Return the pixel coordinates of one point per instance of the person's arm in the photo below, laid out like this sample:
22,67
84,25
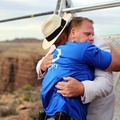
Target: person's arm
100,87
88,90
115,64
40,73
103,82
44,63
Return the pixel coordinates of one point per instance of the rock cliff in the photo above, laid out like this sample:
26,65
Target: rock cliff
18,65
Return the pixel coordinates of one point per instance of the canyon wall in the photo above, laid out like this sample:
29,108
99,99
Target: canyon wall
18,65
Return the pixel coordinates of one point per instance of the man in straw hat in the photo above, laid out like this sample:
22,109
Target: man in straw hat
88,56
53,27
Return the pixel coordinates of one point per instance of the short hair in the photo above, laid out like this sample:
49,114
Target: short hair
77,22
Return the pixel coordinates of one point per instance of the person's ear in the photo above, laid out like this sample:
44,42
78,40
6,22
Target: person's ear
72,32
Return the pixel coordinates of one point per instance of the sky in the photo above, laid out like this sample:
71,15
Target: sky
106,21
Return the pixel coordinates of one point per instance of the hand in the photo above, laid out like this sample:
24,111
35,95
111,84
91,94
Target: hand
70,88
47,62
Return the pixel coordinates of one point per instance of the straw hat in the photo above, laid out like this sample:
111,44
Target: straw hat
52,27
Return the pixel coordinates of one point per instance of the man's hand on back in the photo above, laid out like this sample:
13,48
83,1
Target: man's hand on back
70,88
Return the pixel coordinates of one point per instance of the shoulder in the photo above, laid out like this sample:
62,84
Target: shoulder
102,44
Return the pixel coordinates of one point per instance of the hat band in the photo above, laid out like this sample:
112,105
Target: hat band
56,32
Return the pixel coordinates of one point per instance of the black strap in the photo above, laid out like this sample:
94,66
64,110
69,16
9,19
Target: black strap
57,31
59,116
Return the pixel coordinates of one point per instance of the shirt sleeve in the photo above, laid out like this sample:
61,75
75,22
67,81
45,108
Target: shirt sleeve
40,74
38,70
103,82
97,58
100,87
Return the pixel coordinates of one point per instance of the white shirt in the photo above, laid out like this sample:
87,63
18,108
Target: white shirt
99,92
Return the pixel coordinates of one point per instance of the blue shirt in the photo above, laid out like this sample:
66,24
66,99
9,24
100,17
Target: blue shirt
76,60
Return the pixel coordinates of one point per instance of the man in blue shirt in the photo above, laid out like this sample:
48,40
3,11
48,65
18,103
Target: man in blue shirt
77,58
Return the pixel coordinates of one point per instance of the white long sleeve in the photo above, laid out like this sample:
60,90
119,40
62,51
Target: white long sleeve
38,70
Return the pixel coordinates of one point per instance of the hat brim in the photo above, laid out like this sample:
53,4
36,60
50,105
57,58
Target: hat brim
46,44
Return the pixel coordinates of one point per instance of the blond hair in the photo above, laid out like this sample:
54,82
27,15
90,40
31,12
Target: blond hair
77,22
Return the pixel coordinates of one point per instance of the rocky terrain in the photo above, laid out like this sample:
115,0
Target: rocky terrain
22,104
18,64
